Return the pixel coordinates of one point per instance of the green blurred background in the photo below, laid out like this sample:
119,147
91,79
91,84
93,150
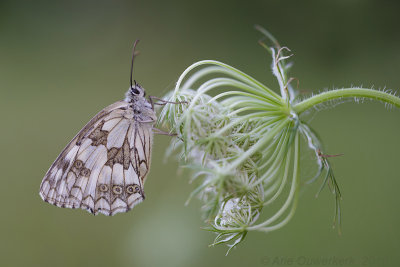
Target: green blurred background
63,61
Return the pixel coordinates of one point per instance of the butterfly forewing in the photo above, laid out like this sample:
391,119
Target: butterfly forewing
103,168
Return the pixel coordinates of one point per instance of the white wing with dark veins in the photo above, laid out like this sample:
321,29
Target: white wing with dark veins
103,169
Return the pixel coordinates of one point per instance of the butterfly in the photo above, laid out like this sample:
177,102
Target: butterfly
104,167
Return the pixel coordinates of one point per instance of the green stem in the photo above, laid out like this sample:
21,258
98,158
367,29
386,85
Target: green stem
274,131
345,93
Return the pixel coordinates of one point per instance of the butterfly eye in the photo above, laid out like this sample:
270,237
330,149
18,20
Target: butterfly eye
135,91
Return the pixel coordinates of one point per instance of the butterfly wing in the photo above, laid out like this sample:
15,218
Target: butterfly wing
102,170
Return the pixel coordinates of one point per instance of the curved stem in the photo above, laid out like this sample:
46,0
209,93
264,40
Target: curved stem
291,200
345,93
228,70
270,134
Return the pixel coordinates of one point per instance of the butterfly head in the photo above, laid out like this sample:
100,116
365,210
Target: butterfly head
135,91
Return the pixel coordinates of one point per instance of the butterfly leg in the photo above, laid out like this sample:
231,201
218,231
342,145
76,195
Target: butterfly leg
161,132
158,131
163,102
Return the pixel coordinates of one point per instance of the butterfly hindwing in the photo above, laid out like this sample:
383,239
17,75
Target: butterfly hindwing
103,168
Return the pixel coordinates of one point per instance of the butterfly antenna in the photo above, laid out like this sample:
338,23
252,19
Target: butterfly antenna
133,57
